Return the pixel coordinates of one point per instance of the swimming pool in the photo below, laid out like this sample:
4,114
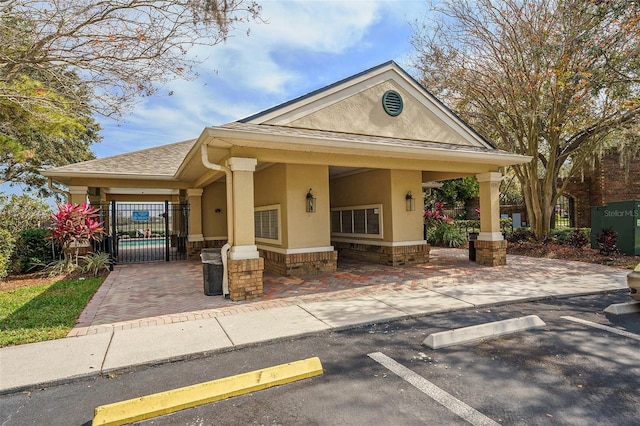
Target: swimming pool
141,242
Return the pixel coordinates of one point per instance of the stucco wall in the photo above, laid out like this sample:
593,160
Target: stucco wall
214,224
307,229
363,113
270,189
389,188
407,225
371,187
287,185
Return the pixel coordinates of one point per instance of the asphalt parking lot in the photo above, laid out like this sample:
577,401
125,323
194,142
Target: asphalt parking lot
567,372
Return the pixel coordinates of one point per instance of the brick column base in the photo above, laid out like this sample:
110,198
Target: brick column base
491,253
245,278
384,255
301,264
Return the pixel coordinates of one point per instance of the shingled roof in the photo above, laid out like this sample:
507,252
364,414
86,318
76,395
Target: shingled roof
160,161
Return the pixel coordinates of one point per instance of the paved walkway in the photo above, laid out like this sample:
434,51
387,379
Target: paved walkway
143,295
145,314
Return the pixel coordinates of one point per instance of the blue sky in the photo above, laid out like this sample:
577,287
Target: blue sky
305,45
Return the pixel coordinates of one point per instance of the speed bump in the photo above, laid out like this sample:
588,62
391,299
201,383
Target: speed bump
149,406
482,331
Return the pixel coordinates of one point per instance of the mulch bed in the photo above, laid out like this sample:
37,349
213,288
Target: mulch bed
15,281
585,254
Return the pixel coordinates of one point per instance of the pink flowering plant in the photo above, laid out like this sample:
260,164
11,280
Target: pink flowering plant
433,217
73,226
440,227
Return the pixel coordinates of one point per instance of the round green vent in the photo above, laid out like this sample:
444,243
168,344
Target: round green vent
392,103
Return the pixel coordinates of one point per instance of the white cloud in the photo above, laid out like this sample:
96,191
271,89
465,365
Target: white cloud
304,45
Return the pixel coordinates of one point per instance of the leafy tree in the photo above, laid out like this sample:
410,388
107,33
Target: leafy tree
43,121
21,212
121,49
61,61
553,79
41,137
457,190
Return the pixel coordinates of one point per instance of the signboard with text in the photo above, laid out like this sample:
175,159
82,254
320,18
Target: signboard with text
140,216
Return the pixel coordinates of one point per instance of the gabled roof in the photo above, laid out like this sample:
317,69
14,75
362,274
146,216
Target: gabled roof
290,113
260,115
159,162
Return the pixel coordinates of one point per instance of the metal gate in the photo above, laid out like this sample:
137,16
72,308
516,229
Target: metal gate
145,232
564,212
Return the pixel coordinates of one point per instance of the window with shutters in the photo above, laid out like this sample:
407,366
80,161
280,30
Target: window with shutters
267,224
357,221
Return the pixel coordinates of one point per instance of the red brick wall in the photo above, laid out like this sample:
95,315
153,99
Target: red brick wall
605,184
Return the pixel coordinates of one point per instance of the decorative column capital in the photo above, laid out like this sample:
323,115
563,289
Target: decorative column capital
239,164
489,177
78,190
194,192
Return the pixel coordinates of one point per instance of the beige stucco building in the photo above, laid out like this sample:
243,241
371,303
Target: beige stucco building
337,172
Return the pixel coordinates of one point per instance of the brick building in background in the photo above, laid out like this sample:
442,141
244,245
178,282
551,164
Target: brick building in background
605,184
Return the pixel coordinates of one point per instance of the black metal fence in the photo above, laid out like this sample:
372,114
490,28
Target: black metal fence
145,232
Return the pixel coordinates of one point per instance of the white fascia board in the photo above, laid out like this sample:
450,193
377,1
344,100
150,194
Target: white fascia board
109,176
306,143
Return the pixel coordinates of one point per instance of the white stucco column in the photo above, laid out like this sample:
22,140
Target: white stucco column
194,198
78,194
244,243
490,206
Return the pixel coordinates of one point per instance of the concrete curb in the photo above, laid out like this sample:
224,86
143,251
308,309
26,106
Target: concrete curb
162,403
623,308
481,331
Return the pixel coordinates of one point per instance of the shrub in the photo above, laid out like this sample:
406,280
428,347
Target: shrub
75,225
32,249
60,267
607,241
449,235
577,239
6,249
521,235
94,262
561,235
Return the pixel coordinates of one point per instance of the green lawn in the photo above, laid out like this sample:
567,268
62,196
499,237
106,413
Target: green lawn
46,312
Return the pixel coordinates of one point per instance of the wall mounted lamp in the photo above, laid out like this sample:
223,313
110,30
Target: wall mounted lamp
311,202
411,202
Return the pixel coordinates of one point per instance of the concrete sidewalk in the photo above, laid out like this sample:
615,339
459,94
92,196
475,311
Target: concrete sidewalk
116,349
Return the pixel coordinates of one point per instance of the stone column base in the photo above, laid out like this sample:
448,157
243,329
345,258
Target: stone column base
491,253
245,278
300,264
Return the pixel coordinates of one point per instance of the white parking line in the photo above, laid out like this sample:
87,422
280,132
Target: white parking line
603,327
448,401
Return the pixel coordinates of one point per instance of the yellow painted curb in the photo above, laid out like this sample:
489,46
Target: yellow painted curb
162,403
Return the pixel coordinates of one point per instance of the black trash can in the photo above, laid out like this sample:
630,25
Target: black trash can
212,270
473,236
